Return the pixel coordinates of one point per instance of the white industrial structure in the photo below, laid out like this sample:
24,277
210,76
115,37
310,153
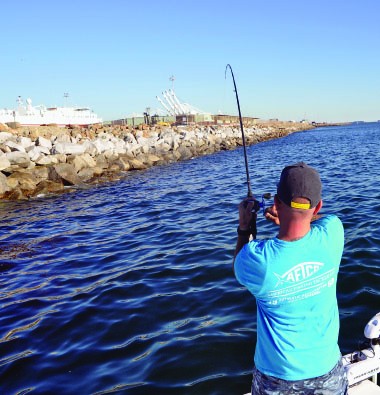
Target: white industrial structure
174,106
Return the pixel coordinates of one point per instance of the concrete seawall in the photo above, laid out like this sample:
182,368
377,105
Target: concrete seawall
36,161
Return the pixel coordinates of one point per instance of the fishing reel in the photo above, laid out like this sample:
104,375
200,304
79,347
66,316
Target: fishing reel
258,205
264,196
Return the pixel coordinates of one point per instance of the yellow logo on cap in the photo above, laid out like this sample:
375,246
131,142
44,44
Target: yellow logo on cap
302,206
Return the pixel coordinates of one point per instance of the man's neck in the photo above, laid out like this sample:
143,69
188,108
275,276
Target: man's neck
293,231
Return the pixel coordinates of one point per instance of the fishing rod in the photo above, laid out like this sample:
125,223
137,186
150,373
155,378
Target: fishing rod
249,193
257,204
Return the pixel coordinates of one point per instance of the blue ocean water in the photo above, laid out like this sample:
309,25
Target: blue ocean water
127,287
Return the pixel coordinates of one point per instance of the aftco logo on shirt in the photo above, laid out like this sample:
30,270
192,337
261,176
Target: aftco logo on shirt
299,272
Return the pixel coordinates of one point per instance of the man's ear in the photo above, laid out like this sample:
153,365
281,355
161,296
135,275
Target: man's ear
318,207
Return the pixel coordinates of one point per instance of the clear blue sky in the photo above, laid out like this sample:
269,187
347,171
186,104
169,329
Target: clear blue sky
292,59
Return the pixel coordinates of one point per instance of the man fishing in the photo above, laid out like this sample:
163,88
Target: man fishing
293,278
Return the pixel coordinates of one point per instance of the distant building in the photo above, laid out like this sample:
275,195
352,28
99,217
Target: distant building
185,119
180,113
222,119
141,119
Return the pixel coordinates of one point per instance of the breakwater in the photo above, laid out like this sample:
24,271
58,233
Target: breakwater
36,161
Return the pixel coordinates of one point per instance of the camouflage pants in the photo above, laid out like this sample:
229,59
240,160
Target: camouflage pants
332,383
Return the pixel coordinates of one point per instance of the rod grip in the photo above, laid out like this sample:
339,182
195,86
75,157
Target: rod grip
253,226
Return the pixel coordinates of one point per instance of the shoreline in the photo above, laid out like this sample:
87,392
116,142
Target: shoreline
45,160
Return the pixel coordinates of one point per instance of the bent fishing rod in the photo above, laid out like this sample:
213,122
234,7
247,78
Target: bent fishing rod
249,193
257,204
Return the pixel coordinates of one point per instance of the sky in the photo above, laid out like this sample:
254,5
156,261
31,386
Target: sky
292,59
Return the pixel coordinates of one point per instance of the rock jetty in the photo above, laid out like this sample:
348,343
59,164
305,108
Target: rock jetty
36,161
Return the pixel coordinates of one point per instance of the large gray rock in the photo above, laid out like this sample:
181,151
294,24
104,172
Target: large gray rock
41,173
14,146
83,161
4,162
64,172
20,159
12,183
101,161
123,163
43,142
62,137
25,180
185,153
145,149
89,147
98,171
35,154
105,136
142,140
26,142
5,136
15,194
41,149
4,187
119,146
130,138
46,160
151,159
68,149
103,145
46,186
110,155
136,164
61,158
86,174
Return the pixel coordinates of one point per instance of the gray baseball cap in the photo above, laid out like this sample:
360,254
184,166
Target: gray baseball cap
299,180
